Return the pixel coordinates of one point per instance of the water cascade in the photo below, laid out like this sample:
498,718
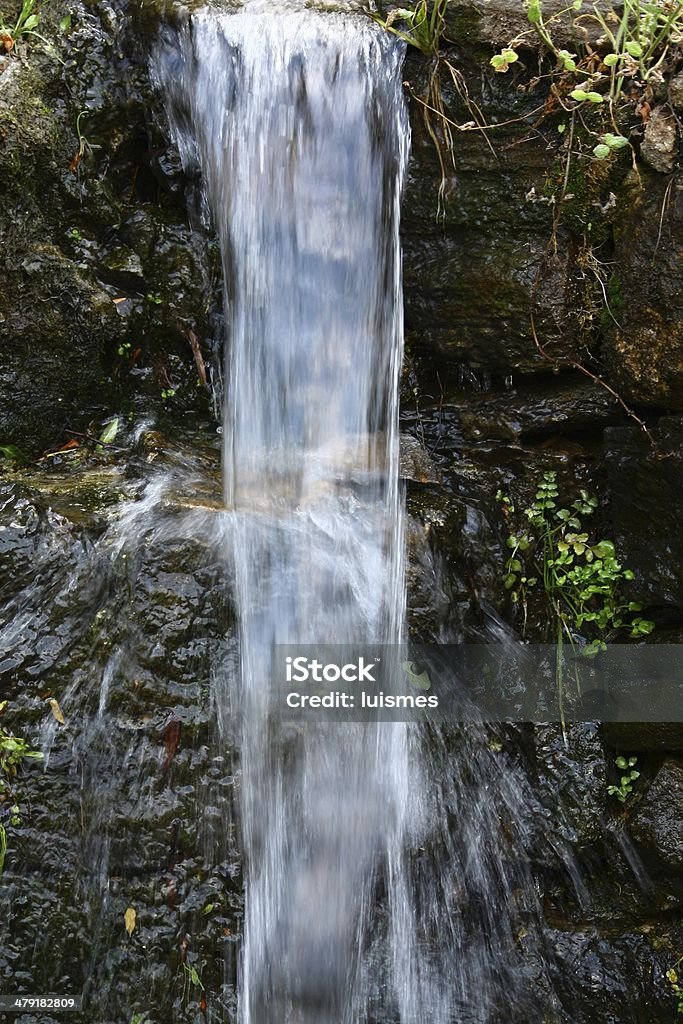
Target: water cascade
298,125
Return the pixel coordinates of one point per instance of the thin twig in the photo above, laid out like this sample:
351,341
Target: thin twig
665,206
96,440
574,364
471,126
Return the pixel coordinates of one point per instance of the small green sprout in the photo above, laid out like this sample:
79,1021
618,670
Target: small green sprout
625,787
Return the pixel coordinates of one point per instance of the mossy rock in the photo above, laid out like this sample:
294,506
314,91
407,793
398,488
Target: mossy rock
479,261
57,323
98,257
644,347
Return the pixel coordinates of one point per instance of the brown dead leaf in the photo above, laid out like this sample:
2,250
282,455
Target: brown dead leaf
57,712
130,920
643,110
170,734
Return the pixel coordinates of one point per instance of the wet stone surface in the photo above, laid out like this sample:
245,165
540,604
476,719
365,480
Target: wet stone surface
657,824
132,805
644,350
102,277
647,489
135,805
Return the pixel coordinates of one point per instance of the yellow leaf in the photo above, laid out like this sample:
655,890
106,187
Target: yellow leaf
129,919
57,712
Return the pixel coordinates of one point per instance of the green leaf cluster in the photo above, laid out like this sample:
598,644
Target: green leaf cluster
636,38
423,25
26,24
580,576
626,780
14,454
13,750
675,983
609,144
502,61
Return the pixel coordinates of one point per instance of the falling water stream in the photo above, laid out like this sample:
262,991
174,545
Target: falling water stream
298,125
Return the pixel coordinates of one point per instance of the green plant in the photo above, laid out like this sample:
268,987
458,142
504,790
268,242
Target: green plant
14,454
84,146
622,54
580,577
168,393
639,39
110,430
14,820
191,979
424,25
25,25
625,787
577,578
634,42
502,61
674,982
13,750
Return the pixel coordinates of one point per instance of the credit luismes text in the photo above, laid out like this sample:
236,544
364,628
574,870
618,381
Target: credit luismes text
305,670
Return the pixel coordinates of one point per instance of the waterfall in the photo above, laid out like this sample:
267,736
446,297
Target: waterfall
297,122
393,873
386,875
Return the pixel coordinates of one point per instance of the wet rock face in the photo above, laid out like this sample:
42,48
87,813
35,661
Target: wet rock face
657,825
132,807
56,318
646,494
649,736
609,980
477,261
645,351
538,409
102,280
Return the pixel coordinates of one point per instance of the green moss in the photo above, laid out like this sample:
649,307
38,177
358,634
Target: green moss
464,28
615,299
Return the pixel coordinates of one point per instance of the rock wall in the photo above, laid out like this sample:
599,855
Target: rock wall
519,275
103,280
